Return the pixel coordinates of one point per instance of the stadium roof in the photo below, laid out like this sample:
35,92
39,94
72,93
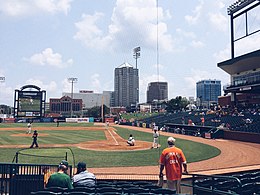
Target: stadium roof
246,62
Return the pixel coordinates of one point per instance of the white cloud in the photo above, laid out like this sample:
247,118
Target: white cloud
90,34
193,19
48,58
223,54
197,44
50,87
160,66
17,8
186,33
95,83
132,22
219,21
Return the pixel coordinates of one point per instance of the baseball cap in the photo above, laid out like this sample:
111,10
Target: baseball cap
64,162
171,140
81,165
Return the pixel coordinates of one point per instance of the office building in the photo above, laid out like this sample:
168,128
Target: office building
208,92
157,91
91,99
126,85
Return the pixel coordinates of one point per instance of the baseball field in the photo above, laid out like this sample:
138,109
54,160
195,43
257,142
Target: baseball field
96,144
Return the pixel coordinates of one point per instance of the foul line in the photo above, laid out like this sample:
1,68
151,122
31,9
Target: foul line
113,137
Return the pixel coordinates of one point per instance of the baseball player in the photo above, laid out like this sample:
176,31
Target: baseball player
29,130
34,136
155,139
131,140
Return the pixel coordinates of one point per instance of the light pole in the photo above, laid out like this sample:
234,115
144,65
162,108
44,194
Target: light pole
72,80
136,55
2,79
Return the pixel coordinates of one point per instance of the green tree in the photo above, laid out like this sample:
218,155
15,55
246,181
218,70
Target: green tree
177,104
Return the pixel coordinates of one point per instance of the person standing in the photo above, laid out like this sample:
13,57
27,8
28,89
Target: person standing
173,159
60,178
35,137
131,140
83,177
29,128
155,139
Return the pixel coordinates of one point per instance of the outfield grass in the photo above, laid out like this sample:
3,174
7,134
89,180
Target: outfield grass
192,150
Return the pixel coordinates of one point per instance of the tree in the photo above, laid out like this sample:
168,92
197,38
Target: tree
96,111
177,104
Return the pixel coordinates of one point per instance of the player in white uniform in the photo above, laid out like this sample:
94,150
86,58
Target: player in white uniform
131,140
29,130
155,139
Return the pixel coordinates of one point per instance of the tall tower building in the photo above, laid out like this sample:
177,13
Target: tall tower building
157,91
126,85
208,91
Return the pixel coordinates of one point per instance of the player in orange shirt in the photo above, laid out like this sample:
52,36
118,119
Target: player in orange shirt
173,159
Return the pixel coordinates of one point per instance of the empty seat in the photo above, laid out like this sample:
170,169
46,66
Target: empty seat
108,189
46,193
56,189
83,189
164,191
135,190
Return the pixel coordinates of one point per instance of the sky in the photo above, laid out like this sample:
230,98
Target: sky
45,42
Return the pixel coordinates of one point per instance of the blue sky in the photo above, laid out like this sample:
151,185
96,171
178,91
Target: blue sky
44,42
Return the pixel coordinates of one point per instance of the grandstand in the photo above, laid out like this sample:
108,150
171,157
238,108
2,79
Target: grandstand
225,174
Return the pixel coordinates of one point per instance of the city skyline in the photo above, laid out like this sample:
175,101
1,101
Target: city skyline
44,43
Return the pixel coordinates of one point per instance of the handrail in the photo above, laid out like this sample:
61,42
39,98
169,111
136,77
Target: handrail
214,178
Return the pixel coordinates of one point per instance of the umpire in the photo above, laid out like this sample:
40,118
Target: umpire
34,136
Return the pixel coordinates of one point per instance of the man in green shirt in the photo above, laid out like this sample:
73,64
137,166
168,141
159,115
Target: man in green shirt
60,178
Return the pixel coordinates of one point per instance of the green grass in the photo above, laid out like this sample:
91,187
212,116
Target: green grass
192,150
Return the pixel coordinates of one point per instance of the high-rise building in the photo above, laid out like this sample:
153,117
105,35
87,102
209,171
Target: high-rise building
157,91
208,91
126,85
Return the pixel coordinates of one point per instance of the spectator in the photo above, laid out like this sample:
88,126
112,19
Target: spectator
172,158
60,178
131,140
83,177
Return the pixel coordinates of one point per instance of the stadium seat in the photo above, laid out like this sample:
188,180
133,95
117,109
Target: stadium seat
150,186
56,189
76,193
141,183
83,189
164,191
108,189
135,190
46,193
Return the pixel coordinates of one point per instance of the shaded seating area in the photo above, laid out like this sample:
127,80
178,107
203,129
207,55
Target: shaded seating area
245,184
111,187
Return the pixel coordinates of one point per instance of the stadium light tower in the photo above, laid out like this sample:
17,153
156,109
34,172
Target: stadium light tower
2,79
136,55
72,80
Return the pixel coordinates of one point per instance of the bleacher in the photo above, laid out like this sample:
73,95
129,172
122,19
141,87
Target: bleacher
235,122
247,183
110,187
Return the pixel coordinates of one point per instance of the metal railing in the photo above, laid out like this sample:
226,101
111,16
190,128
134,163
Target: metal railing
24,178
